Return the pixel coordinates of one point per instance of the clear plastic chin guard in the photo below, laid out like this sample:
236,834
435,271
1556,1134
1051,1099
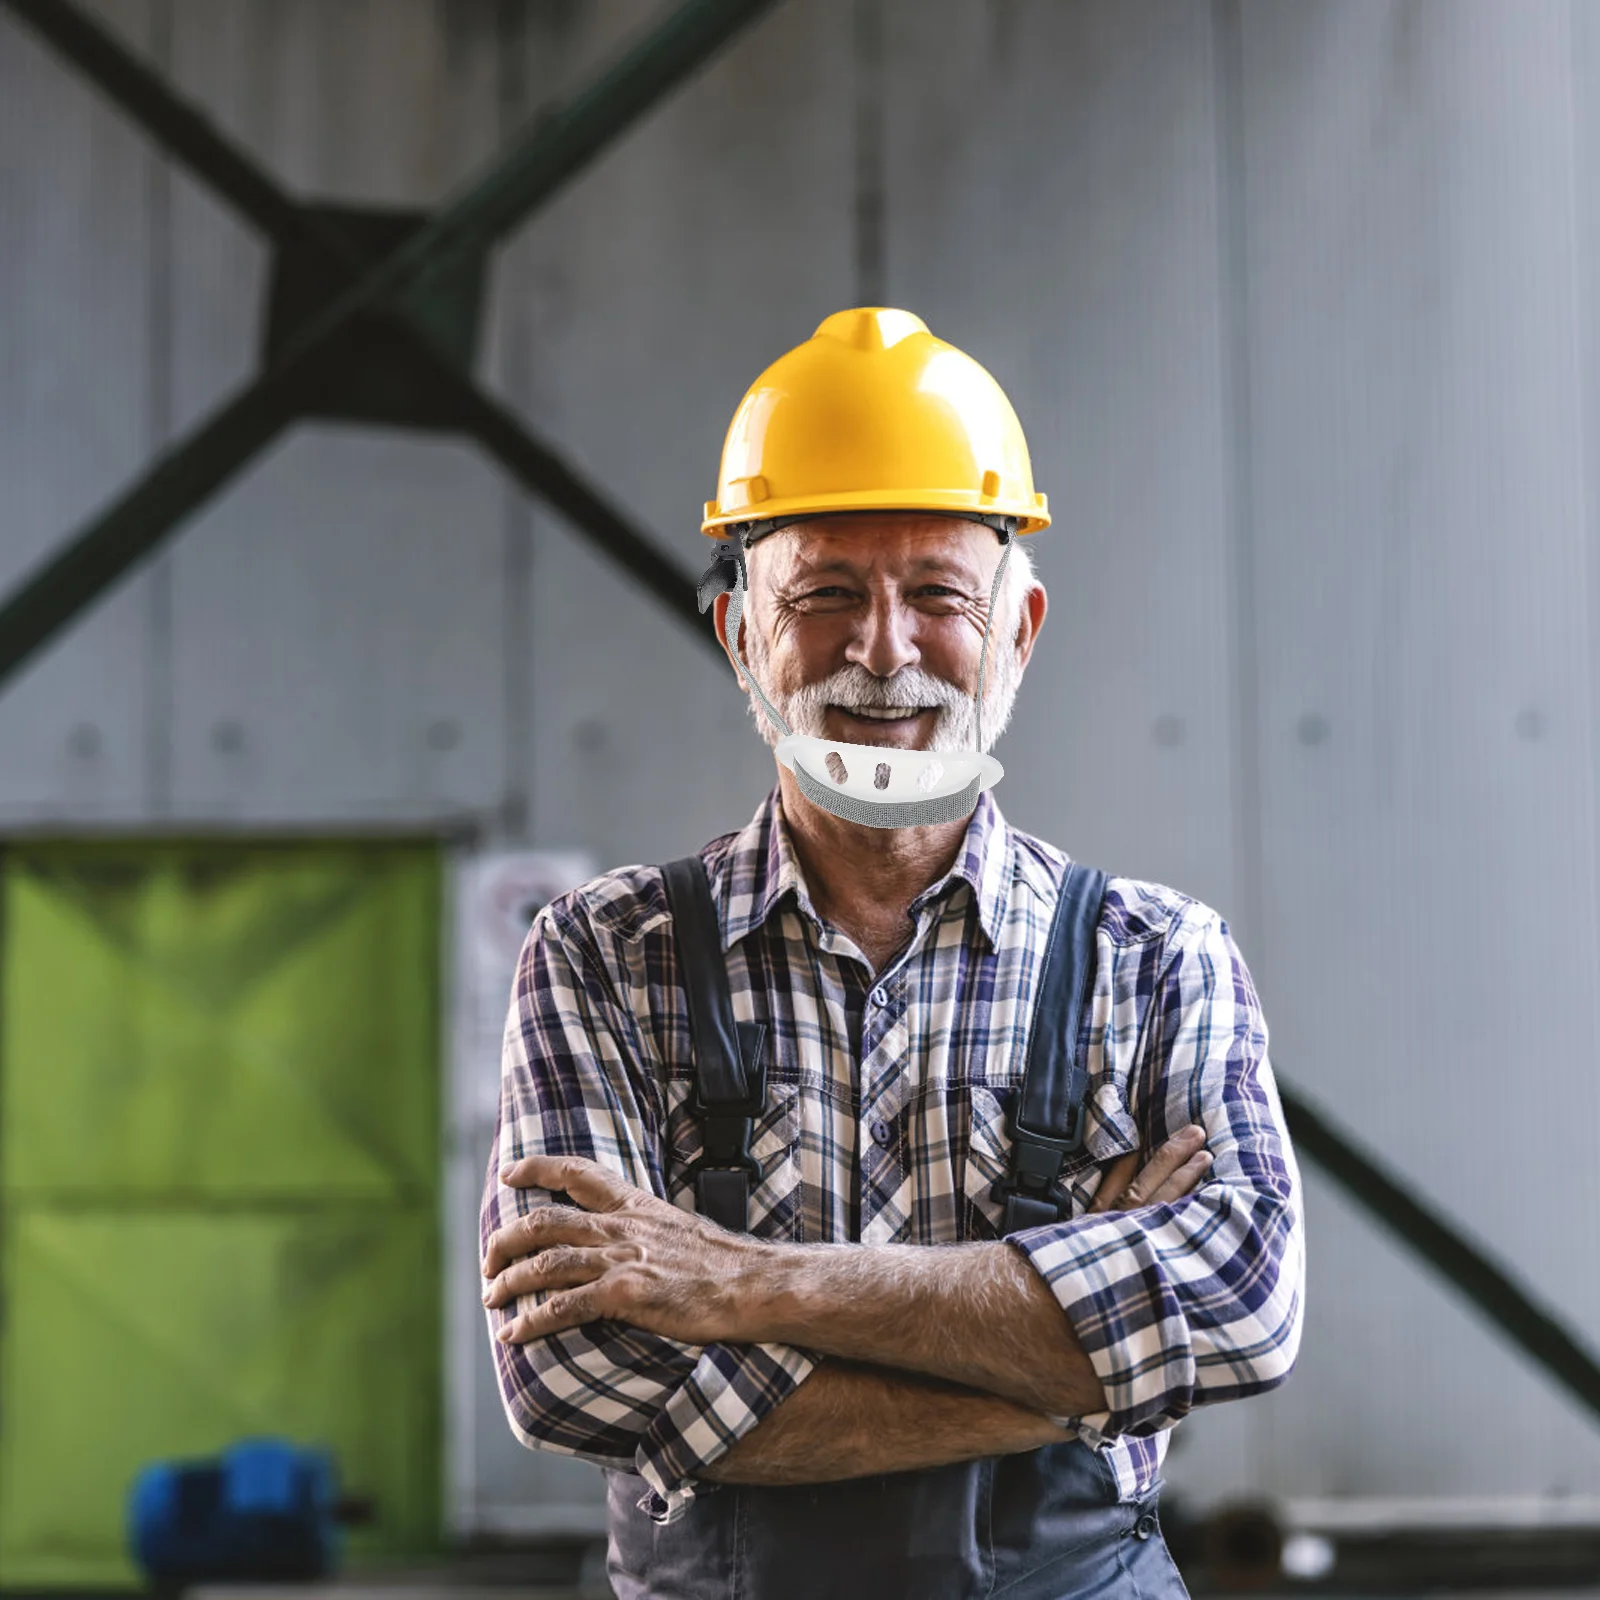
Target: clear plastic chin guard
876,785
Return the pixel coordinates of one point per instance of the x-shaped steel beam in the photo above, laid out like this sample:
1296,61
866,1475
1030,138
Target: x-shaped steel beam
534,168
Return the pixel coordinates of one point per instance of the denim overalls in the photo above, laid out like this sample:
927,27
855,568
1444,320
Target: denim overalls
1046,1524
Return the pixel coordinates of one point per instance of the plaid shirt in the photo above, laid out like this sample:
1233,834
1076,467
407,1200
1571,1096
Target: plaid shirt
885,1123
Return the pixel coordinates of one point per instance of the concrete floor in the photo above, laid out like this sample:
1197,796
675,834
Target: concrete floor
594,1587
588,1582
575,1570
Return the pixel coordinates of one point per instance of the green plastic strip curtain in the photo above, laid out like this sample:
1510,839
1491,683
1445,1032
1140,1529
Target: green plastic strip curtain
219,1170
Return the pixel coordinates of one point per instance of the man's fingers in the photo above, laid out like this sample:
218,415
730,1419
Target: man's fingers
1115,1181
1182,1181
587,1183
549,1225
562,1266
569,1309
1170,1173
1159,1169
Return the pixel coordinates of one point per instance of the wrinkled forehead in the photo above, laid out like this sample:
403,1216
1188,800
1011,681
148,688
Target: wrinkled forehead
878,545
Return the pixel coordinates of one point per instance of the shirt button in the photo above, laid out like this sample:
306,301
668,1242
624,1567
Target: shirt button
880,996
882,1133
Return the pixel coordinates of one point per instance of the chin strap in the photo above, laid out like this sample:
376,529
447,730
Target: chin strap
727,572
988,622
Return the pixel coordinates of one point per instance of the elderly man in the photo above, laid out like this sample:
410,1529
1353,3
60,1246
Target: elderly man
1008,1191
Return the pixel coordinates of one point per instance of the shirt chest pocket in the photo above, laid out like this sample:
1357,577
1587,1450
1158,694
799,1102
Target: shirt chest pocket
773,1211
1110,1133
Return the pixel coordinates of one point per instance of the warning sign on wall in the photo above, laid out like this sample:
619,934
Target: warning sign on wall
498,895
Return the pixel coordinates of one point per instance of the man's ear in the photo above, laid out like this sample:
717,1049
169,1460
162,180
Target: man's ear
719,618
1034,605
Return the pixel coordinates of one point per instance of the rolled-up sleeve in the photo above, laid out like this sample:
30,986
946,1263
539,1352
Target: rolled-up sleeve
573,1082
1201,1299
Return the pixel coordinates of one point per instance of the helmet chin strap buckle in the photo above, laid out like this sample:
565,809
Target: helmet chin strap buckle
877,786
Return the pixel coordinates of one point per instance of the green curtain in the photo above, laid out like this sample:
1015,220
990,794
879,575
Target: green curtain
219,1168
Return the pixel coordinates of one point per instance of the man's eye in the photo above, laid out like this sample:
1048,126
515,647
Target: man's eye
833,591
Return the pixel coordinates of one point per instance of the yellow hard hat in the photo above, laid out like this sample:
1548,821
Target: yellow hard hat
872,413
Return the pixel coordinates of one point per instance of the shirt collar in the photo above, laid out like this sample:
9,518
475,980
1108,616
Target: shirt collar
761,868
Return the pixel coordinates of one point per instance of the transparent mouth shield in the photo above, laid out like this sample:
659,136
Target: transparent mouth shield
876,785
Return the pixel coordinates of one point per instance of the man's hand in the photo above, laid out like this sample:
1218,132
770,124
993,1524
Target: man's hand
626,1254
1169,1174
620,1252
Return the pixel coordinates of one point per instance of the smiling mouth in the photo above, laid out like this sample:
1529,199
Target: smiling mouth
884,716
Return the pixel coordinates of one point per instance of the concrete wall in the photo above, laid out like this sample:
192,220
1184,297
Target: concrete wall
1297,303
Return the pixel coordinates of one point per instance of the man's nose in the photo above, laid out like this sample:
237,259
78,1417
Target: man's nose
885,641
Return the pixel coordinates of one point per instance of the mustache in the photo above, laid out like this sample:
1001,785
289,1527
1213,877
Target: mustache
855,686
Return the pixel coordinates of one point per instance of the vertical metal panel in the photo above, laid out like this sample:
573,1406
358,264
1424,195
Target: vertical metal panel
74,376
1051,199
1586,174
337,621
1420,585
655,290
496,1486
1052,207
339,639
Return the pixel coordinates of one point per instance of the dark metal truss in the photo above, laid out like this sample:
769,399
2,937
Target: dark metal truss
398,288
536,166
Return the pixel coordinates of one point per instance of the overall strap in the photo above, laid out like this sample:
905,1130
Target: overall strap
730,1084
1047,1120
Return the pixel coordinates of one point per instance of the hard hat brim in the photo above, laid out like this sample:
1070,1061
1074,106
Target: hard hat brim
1031,517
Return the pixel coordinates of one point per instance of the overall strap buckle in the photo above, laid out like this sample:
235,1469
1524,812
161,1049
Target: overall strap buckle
1048,1120
726,1171
1029,1191
730,1085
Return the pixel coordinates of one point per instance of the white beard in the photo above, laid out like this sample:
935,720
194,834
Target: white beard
956,728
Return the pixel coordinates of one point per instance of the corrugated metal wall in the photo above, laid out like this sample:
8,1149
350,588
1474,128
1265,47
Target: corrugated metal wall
1297,302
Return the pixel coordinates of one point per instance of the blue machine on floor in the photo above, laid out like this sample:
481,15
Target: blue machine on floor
265,1511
